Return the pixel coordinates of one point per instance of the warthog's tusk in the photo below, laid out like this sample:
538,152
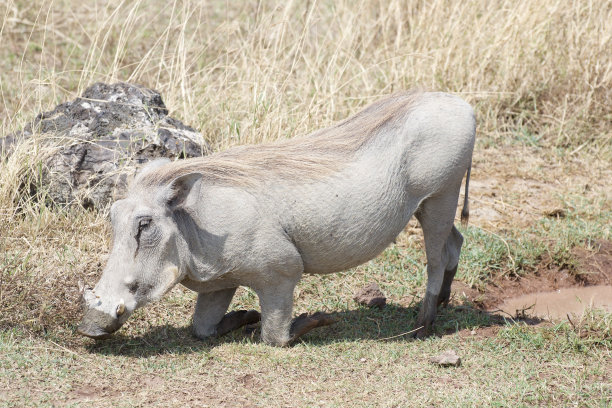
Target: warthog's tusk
120,308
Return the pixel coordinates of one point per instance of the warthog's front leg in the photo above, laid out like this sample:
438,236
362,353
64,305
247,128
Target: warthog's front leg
277,328
209,318
276,303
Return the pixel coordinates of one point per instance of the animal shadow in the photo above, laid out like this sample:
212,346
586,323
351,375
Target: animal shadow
390,323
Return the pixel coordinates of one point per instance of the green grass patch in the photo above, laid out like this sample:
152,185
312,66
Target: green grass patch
487,255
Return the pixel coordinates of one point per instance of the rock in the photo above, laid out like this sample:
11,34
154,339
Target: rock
555,213
96,142
446,359
370,296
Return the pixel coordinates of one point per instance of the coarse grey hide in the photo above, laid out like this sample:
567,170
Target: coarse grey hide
262,216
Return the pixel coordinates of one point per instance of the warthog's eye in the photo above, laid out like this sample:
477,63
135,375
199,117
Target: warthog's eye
143,224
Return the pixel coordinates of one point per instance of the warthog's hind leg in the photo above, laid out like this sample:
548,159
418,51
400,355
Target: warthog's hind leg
445,292
442,245
453,250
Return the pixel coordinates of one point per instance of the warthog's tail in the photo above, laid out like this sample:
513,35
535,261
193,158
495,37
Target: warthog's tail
465,212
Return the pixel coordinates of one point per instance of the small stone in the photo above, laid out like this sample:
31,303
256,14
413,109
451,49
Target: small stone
446,359
555,213
370,296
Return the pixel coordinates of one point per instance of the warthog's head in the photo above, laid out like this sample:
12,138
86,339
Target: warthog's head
145,261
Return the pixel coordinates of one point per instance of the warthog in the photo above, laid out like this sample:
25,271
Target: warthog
262,216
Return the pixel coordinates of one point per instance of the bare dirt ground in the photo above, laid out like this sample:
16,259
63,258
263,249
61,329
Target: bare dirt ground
514,186
528,298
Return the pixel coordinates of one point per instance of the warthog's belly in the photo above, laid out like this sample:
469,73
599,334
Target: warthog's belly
352,241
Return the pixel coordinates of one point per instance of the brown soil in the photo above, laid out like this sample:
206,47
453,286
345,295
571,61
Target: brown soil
480,332
510,185
590,280
90,393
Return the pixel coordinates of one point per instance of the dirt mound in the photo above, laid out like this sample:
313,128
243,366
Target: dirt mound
552,291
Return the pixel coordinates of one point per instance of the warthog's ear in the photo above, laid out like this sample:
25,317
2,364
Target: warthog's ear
181,189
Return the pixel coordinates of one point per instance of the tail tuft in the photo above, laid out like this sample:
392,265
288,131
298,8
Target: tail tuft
465,216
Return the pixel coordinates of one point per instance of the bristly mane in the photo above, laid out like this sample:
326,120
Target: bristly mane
301,158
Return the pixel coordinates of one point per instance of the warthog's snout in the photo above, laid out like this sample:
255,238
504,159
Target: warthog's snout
98,325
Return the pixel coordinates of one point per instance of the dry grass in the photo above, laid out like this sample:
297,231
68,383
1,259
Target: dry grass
538,73
252,71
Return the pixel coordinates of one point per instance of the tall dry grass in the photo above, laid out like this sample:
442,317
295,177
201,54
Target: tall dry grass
252,71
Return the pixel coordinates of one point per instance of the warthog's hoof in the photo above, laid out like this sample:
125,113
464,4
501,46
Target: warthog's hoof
421,333
304,323
422,330
236,319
